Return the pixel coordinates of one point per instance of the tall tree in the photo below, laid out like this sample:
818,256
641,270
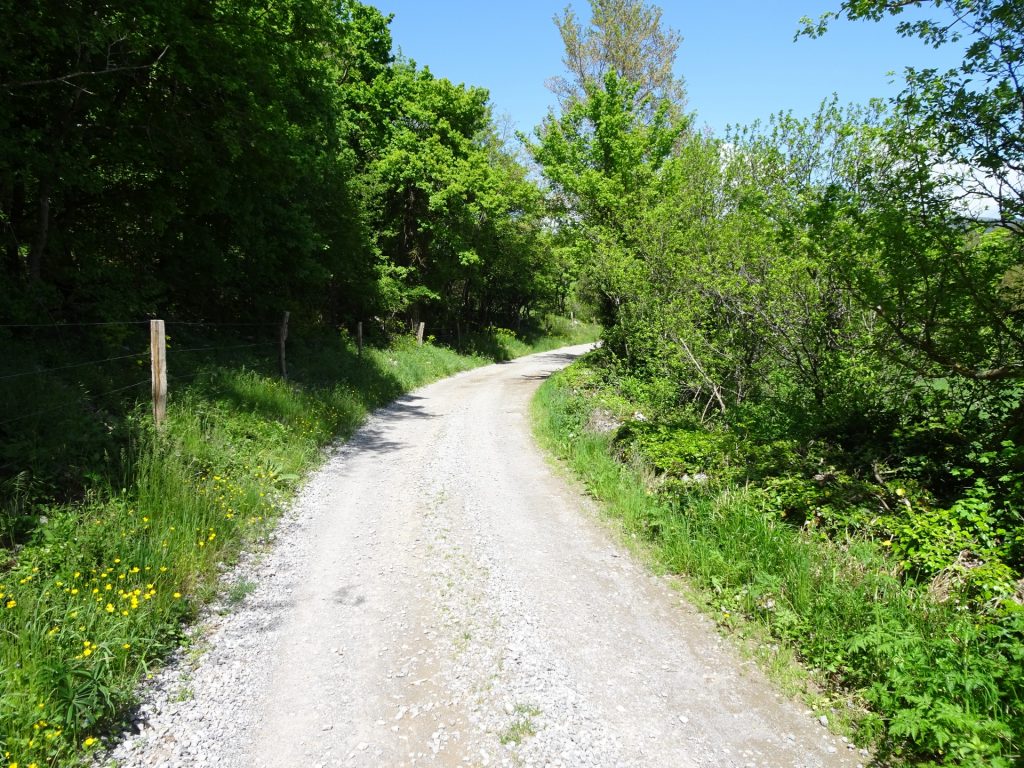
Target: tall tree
621,119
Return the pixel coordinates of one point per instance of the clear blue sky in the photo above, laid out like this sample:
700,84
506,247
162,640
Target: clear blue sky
738,56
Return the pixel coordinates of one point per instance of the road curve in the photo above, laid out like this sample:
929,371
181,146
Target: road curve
438,597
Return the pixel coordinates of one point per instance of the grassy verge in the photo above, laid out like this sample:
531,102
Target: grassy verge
96,591
923,681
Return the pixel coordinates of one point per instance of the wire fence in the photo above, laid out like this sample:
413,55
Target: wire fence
32,381
103,381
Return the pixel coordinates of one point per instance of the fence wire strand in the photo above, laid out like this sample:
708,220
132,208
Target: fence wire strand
69,367
222,325
214,349
64,406
72,325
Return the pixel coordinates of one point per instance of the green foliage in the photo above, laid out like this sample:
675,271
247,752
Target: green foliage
942,684
330,180
813,351
970,114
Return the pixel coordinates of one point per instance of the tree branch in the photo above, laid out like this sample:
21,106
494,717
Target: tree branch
66,79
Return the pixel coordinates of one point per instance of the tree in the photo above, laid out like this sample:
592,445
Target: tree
942,285
181,157
603,157
971,115
624,37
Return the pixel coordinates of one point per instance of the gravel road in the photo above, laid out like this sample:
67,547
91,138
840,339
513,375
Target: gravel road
438,597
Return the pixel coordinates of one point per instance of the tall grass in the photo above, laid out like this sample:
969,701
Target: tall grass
934,684
99,592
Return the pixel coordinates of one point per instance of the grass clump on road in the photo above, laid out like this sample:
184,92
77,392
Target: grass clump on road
95,589
922,672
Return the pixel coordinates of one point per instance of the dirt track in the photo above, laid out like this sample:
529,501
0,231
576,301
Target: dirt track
440,597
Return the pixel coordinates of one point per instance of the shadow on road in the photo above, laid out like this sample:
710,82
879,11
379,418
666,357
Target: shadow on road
404,407
373,438
562,357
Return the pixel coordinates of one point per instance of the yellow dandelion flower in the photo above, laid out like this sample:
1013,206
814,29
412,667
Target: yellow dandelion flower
110,608
11,603
88,742
177,595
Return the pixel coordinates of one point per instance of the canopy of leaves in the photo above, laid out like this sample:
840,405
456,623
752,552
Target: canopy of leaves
228,159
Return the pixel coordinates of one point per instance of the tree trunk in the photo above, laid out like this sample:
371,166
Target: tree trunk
12,203
35,254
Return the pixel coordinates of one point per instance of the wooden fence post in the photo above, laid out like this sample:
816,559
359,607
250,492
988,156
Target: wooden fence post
458,335
283,339
158,368
419,333
359,337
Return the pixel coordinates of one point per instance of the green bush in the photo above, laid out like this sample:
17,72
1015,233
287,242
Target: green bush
878,603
